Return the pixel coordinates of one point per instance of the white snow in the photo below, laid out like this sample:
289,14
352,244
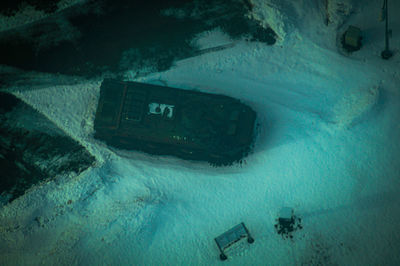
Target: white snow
270,14
328,147
209,39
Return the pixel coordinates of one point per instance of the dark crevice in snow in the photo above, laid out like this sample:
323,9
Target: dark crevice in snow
32,149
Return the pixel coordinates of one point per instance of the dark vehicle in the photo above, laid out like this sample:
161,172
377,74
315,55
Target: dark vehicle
168,121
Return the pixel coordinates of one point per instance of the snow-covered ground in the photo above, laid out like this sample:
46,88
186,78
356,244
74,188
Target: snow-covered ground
328,147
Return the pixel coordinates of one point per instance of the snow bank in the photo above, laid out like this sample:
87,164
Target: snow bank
270,14
290,17
337,11
354,105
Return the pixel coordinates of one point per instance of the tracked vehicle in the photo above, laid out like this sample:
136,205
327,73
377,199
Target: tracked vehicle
168,121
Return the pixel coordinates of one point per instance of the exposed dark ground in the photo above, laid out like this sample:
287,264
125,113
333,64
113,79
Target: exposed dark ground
10,7
114,35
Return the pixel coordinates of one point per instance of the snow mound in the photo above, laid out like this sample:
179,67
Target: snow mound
268,15
286,17
354,105
337,11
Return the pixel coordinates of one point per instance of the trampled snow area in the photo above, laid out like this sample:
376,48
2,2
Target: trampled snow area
328,146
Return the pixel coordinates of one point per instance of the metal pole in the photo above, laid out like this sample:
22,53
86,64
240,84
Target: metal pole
386,54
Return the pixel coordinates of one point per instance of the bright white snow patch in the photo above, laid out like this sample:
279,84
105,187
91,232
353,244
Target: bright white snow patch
212,38
269,14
